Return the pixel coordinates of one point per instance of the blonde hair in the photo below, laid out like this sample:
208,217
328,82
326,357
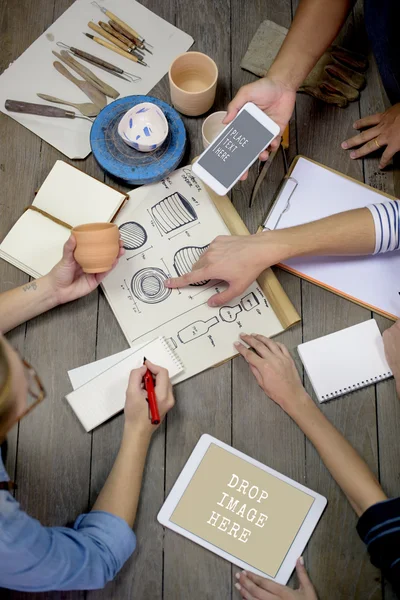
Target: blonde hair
5,387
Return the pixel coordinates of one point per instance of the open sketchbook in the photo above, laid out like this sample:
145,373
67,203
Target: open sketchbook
68,197
33,71
312,192
102,397
164,236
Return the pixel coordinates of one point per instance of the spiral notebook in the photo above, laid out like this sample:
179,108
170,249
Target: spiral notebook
345,361
104,396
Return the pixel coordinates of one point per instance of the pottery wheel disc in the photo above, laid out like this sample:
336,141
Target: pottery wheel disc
126,163
148,285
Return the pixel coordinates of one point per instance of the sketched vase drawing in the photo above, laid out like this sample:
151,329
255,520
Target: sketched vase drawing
196,330
249,301
148,285
173,212
133,235
186,257
229,313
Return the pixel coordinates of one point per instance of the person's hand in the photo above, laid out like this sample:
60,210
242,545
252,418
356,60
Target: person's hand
136,405
237,260
391,342
67,279
274,369
253,587
380,130
273,97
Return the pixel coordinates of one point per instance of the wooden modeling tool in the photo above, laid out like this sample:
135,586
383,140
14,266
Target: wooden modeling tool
87,88
102,64
114,40
139,45
42,110
131,45
113,48
86,108
87,74
113,17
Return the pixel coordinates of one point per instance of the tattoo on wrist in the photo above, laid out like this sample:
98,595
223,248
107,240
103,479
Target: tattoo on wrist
30,286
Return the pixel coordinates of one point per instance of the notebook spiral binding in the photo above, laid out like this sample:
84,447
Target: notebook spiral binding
357,386
172,352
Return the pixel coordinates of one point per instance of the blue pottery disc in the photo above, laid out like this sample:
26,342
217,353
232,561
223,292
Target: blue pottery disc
126,163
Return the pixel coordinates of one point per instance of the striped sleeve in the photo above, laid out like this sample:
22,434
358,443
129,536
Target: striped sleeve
387,229
379,528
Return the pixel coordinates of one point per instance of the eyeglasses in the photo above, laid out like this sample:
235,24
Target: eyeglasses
36,391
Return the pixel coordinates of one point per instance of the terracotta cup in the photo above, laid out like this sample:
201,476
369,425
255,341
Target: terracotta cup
192,83
212,127
97,246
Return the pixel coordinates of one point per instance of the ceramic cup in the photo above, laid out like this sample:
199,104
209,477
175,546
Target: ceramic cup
192,83
144,127
212,127
97,246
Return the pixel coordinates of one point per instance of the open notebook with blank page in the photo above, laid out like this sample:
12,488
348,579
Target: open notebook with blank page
312,192
345,361
104,396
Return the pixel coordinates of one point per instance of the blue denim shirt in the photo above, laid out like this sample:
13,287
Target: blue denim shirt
34,558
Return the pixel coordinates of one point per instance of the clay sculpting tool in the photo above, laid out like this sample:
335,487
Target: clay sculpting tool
87,88
115,42
128,43
139,45
29,108
102,64
86,108
113,48
87,74
113,17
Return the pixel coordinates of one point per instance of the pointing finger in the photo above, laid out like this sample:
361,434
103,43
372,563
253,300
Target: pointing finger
187,279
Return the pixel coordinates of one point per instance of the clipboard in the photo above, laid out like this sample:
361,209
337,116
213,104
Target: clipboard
285,196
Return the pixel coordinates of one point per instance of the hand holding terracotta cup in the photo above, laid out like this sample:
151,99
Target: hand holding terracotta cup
97,246
212,127
192,83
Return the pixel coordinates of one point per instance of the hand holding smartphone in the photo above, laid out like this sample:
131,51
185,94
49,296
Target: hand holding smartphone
236,148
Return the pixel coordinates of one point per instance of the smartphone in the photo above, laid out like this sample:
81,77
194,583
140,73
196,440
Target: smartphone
235,149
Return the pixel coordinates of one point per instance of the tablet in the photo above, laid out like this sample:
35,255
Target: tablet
242,510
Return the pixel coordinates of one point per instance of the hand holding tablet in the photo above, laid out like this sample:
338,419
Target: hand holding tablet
242,510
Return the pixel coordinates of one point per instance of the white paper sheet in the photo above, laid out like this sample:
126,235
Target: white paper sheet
33,71
166,231
84,374
104,396
319,193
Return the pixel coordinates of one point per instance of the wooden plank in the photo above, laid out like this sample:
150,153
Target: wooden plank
136,578
321,129
260,428
374,100
204,402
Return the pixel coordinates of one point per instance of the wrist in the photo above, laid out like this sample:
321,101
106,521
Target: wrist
48,291
278,244
138,431
301,408
285,77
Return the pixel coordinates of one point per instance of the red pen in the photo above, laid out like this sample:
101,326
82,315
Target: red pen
151,396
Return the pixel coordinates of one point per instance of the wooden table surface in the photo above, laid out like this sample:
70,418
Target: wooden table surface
60,469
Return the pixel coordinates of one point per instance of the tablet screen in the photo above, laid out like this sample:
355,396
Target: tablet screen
243,510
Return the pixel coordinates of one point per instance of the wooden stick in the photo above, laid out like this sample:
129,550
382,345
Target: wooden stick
109,37
117,27
114,48
113,17
117,35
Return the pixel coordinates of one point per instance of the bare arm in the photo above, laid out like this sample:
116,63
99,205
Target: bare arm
120,494
315,26
277,375
25,302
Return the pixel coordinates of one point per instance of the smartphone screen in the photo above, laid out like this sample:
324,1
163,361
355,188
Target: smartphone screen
233,151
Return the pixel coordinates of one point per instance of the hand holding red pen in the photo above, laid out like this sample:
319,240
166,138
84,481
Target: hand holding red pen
136,407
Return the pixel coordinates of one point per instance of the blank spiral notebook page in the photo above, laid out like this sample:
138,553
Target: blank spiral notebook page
346,360
104,396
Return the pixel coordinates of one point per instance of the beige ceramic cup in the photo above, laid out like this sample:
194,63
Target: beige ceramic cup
97,246
212,127
192,83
